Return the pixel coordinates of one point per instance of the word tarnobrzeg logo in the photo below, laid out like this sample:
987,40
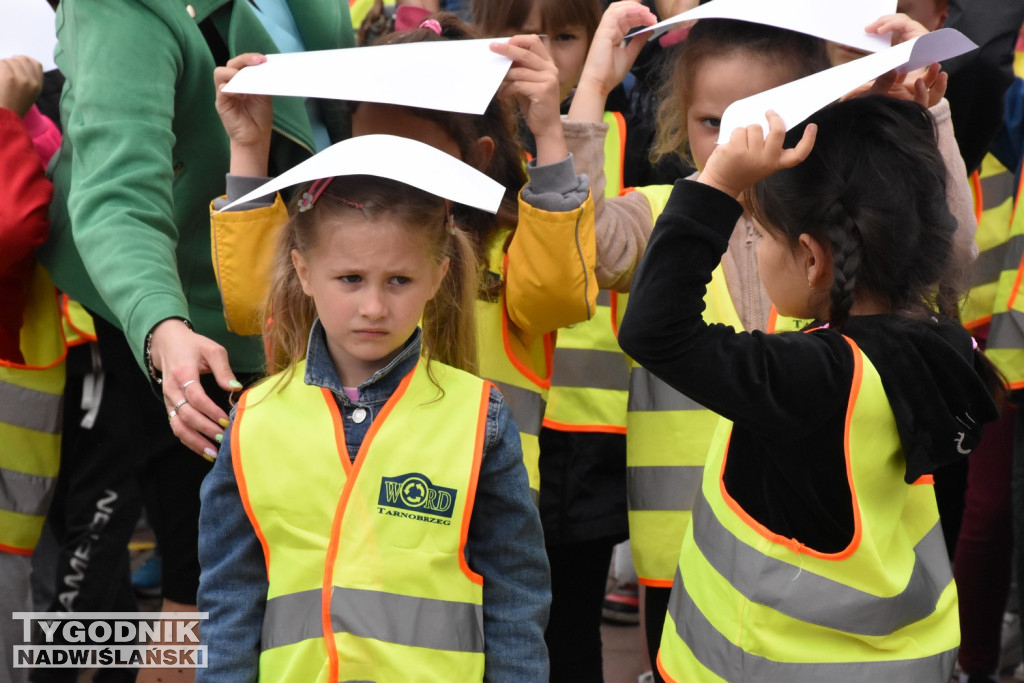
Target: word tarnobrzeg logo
110,640
414,496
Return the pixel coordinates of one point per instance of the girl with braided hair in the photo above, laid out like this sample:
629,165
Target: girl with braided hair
815,551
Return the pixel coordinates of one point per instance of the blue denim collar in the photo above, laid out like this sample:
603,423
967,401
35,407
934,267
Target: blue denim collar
378,388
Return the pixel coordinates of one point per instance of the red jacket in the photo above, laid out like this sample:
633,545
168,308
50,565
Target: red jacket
24,202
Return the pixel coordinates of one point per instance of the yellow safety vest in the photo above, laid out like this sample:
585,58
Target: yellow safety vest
992,188
524,388
667,439
367,573
1005,345
750,605
591,373
31,395
77,323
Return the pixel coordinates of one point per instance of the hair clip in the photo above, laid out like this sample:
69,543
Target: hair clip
349,202
308,198
433,24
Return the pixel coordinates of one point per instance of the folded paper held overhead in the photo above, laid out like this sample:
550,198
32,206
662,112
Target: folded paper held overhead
795,101
840,22
450,75
28,28
402,159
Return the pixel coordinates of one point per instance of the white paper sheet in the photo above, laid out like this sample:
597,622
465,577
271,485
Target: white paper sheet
841,21
28,27
402,159
450,75
795,101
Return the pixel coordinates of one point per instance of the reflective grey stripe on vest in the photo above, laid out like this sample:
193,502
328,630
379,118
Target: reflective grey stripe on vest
590,368
26,494
996,189
812,598
527,406
991,262
30,409
388,617
1006,331
663,487
648,393
730,662
604,297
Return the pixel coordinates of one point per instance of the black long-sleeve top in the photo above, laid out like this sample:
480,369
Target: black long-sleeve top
787,393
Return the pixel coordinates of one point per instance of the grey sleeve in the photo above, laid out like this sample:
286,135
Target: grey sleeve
556,187
239,186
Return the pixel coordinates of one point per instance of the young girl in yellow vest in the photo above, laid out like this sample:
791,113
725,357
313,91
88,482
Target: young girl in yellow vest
369,515
815,551
536,254
720,62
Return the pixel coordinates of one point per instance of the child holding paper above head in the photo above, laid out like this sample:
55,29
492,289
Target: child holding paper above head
337,501
721,61
815,551
536,253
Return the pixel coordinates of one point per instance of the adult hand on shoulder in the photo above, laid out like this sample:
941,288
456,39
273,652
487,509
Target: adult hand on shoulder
182,356
533,83
247,119
21,81
609,59
749,156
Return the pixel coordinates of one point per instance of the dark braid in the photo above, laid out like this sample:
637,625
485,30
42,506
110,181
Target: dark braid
847,254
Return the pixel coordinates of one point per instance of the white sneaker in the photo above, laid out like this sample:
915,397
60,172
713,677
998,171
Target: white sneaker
646,677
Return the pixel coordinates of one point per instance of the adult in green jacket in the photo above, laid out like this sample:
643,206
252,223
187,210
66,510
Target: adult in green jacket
144,152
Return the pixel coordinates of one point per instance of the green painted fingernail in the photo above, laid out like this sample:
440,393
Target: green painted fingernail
219,438
235,384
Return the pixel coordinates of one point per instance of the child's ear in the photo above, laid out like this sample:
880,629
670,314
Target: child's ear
816,258
302,270
483,150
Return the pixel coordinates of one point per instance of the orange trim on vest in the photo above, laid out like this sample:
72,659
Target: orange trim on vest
614,296
661,668
478,453
332,547
86,337
925,480
339,430
773,319
549,345
655,583
593,429
14,550
243,488
979,199
791,543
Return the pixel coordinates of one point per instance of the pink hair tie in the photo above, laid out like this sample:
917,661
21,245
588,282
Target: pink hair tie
433,24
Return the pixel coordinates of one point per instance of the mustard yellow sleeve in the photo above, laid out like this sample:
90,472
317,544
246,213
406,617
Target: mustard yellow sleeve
550,281
242,248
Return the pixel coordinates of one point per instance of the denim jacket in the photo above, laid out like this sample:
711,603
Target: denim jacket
505,543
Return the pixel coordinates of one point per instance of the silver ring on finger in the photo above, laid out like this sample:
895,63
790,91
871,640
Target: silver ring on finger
191,381
171,415
179,404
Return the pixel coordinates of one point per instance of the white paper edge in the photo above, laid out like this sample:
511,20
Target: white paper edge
831,84
869,42
247,81
382,155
